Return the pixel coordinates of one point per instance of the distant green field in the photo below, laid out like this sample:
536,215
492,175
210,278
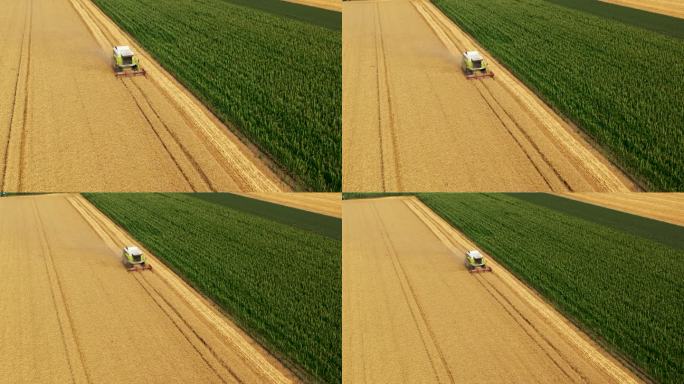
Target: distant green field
282,284
621,84
313,15
275,79
666,233
624,290
668,25
309,221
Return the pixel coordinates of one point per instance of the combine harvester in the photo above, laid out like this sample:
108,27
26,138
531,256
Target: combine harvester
476,263
126,63
475,66
134,260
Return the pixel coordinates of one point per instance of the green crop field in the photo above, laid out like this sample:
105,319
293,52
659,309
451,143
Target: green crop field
623,289
668,25
622,84
275,79
325,225
282,284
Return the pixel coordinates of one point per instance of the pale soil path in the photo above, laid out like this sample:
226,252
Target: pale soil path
666,7
67,124
325,203
413,122
413,313
332,5
667,207
72,313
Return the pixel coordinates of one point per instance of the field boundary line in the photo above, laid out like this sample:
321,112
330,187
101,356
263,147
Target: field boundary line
246,171
572,334
215,320
574,147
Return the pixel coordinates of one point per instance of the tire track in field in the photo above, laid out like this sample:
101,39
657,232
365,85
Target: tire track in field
19,109
386,124
228,155
605,174
115,243
447,235
159,139
440,366
526,325
136,97
113,236
495,106
175,140
74,355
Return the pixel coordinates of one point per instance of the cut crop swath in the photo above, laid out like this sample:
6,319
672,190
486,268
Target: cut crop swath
276,80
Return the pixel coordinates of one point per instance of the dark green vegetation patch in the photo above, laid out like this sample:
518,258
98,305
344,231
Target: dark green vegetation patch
665,24
313,15
277,80
309,221
624,289
666,233
281,284
621,84
373,195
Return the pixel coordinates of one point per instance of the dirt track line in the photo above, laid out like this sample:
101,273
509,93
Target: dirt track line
440,368
528,140
230,335
445,233
162,303
75,359
246,172
177,141
159,138
513,136
525,323
136,96
386,132
18,109
492,101
452,38
178,321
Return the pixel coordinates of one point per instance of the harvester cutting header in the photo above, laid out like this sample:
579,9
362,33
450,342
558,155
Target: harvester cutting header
475,262
475,66
134,259
125,62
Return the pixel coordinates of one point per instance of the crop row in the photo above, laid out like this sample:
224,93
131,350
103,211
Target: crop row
623,289
276,79
282,284
621,84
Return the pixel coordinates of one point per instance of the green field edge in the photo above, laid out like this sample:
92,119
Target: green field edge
321,224
656,22
626,360
310,14
296,182
614,160
613,350
632,173
666,233
302,373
